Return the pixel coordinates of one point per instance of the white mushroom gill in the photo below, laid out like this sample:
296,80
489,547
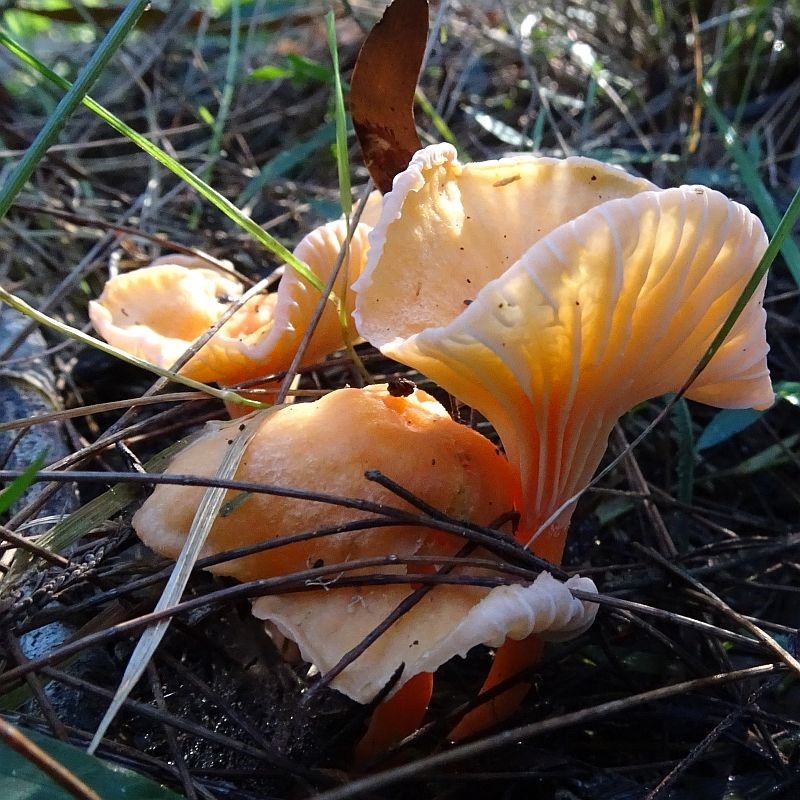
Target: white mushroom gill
447,622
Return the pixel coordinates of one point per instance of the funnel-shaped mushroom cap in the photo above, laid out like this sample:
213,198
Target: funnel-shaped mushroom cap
327,446
555,295
158,311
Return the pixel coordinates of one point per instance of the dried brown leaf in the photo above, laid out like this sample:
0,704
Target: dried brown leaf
383,86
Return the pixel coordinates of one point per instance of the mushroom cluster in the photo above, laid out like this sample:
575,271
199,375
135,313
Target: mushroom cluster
549,295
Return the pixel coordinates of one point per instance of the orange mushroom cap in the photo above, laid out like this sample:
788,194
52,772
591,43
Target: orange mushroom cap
327,445
553,296
155,313
158,311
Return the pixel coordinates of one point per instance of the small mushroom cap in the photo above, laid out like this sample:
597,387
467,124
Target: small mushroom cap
157,312
327,446
555,311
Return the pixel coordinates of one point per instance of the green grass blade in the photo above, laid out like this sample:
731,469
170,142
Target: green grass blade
340,115
724,425
758,191
76,94
226,99
84,338
781,235
91,514
442,128
771,457
19,486
212,195
730,421
343,170
22,778
286,160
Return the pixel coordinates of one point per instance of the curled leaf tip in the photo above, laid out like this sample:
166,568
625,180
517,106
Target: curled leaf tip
383,86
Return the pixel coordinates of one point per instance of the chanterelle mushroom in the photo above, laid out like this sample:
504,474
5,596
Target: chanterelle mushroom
553,296
158,311
327,445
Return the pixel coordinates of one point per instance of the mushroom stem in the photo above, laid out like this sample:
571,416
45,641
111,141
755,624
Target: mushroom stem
396,717
513,656
547,543
510,659
262,392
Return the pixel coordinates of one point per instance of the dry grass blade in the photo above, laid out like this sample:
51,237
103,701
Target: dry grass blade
198,533
697,752
382,780
73,333
718,603
78,524
99,408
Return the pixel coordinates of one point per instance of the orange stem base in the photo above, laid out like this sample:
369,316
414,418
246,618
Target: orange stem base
511,658
396,717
